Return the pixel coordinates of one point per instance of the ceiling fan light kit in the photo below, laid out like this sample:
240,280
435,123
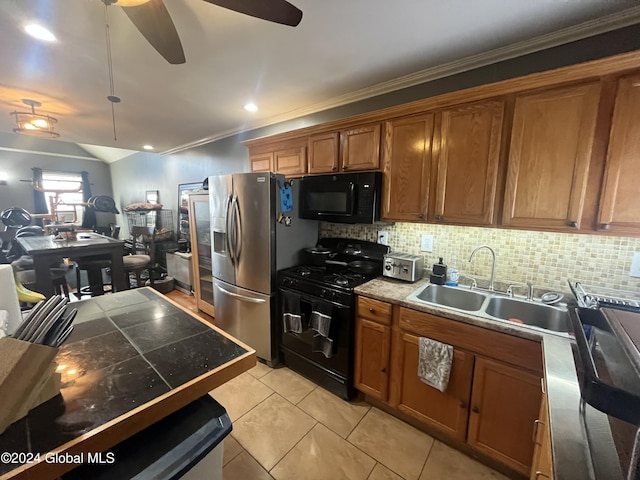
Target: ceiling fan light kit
34,124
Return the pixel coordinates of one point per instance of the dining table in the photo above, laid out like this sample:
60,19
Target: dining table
45,250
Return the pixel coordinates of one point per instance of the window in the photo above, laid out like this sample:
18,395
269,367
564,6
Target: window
63,191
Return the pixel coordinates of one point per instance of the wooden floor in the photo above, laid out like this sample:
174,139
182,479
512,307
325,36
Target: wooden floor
189,302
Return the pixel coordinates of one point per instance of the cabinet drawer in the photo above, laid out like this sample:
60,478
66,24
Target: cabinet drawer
374,310
500,346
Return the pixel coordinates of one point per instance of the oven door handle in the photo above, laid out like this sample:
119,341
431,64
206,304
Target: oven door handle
242,298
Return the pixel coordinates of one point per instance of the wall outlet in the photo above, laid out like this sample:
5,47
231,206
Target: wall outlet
426,243
383,237
635,265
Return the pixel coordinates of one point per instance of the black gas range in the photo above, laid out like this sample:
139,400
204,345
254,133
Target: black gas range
316,306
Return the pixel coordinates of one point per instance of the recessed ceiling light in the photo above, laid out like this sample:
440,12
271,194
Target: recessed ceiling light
251,107
39,32
148,147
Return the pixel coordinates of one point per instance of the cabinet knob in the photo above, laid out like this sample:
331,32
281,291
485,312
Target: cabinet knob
475,409
334,168
421,216
604,226
438,217
573,224
383,369
344,167
372,310
462,404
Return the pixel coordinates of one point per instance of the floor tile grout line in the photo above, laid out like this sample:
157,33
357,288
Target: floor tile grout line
294,446
424,465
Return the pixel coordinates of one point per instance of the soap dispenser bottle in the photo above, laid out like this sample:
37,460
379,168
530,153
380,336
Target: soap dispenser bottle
438,273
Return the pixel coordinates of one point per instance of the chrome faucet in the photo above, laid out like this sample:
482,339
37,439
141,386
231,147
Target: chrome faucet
493,264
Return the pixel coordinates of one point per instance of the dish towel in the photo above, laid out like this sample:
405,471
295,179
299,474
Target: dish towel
434,363
320,320
291,317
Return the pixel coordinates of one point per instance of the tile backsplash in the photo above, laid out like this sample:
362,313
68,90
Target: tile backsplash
547,259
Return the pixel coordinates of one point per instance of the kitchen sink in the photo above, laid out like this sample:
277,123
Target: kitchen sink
494,306
528,313
451,297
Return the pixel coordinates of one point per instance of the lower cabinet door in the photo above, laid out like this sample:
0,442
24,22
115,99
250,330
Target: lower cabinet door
373,342
505,403
447,411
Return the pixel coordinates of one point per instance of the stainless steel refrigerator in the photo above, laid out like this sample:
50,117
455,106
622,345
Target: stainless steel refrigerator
252,238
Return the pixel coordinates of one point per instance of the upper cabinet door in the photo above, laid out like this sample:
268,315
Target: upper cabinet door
620,200
324,150
361,148
549,157
291,161
407,167
262,162
467,159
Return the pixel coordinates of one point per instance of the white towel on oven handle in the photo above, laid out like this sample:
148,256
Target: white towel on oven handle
320,319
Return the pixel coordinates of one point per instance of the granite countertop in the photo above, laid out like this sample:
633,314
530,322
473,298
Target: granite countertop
571,456
133,358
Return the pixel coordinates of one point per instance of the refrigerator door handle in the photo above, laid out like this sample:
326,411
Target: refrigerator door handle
241,297
238,225
229,231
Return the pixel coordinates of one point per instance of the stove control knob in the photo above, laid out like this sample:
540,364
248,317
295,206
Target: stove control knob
289,282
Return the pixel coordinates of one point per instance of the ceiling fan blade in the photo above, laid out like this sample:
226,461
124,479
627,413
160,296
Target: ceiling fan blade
278,11
155,24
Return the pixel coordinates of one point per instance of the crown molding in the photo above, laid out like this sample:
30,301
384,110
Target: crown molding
590,28
49,154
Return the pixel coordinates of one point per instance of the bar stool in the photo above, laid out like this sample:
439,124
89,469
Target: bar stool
94,266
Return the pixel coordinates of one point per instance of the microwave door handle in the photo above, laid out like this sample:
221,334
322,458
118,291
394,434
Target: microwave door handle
229,232
353,192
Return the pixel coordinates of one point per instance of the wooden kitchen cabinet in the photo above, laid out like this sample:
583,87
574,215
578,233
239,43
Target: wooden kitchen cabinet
505,402
360,148
373,346
542,465
467,162
620,198
292,161
286,157
447,411
324,152
352,149
549,156
407,167
201,252
261,162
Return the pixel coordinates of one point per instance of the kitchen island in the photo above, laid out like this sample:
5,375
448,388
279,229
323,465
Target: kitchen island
134,358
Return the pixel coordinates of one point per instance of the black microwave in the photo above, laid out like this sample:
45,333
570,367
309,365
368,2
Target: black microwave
341,198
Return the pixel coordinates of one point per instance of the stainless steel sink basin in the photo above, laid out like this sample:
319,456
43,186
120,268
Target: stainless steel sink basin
534,314
451,297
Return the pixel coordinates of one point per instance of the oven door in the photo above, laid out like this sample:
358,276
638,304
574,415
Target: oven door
341,333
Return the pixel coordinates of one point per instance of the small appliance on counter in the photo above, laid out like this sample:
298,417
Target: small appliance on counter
403,266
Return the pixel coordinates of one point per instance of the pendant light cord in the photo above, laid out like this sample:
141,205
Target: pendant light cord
112,96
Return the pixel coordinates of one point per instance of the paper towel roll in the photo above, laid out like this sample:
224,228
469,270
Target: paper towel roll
9,298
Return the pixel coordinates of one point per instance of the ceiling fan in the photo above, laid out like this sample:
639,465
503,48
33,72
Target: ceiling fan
152,19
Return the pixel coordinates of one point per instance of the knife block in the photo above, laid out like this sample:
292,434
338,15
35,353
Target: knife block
28,378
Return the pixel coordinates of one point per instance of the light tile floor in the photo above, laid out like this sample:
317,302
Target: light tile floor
287,428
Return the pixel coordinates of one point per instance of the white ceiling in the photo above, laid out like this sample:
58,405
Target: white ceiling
341,51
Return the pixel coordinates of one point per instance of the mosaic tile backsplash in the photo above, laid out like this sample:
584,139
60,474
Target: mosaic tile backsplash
544,258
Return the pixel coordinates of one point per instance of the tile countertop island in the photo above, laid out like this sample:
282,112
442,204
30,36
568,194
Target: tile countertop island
134,358
570,450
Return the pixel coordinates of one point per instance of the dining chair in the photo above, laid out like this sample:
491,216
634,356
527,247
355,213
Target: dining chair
94,266
142,257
